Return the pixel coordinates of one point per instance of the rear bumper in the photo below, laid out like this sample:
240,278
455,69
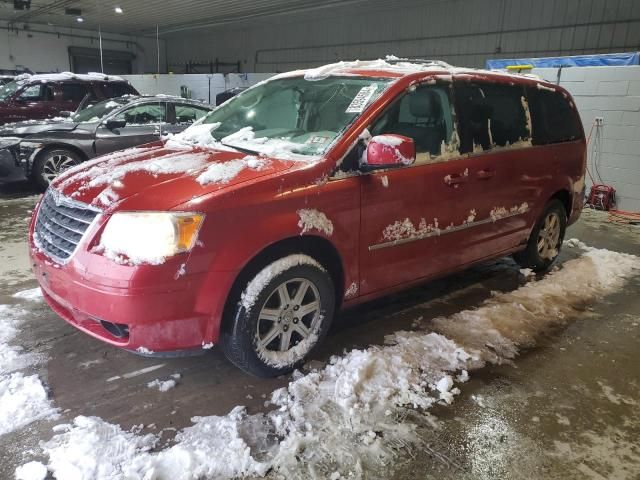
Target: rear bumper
159,313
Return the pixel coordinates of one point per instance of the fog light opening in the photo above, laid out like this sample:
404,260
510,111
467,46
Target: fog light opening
118,330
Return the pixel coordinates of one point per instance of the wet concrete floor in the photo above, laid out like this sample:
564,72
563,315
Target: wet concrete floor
568,408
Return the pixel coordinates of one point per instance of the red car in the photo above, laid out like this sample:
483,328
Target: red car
307,193
36,97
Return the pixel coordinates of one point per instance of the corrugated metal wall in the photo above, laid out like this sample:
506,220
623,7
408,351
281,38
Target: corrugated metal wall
462,32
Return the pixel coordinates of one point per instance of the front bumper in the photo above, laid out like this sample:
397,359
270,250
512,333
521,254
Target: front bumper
134,307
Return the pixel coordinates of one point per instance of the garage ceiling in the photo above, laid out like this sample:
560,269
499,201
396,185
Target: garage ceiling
140,17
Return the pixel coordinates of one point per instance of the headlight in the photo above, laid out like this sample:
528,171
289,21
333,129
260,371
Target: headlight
6,142
149,237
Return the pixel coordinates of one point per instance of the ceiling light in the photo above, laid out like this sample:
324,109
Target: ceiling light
79,19
118,10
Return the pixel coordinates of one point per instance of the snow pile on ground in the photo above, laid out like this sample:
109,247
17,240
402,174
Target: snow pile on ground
93,449
31,294
165,385
31,471
23,399
358,414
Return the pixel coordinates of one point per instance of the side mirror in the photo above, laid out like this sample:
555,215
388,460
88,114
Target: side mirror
388,151
115,124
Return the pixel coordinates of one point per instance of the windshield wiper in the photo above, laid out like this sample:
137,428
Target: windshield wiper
240,149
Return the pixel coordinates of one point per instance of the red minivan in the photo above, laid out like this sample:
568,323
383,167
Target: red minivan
313,191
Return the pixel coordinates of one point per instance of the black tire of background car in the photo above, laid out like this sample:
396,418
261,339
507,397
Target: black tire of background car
529,257
237,341
37,169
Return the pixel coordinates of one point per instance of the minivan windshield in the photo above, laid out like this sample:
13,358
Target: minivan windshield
10,88
293,114
96,112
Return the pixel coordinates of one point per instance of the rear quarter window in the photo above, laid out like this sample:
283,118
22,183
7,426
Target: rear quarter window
490,115
117,89
553,118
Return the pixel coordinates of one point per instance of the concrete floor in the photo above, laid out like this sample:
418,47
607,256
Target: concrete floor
568,408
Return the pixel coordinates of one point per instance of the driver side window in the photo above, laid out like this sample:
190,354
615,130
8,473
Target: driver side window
143,114
37,93
423,114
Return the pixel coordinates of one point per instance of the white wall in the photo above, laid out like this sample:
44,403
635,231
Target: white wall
198,83
461,32
612,93
45,49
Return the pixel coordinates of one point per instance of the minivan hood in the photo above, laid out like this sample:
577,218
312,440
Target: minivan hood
31,127
154,177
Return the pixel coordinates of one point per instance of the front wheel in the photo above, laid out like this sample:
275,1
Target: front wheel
546,239
281,316
51,163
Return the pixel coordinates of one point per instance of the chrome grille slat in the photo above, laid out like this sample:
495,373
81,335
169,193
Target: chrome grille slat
61,224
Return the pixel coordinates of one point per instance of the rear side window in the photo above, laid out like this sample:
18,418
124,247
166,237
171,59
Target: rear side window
150,113
117,89
189,113
74,92
552,117
490,115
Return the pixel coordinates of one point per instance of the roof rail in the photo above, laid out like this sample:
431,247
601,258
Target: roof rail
421,61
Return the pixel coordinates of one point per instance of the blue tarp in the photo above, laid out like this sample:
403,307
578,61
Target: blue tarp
604,60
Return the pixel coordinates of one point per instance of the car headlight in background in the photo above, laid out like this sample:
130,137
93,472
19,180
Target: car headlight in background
149,237
7,142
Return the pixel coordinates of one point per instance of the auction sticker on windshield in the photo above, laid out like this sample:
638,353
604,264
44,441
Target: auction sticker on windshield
361,99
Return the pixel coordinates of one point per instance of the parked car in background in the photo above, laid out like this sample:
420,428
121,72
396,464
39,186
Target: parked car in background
45,149
308,192
227,94
35,97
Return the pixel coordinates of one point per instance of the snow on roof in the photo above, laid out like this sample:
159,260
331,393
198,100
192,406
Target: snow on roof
394,65
56,77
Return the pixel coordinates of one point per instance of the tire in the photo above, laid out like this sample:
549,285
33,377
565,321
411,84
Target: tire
51,163
545,241
254,339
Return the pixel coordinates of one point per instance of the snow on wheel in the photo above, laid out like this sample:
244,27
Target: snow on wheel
283,312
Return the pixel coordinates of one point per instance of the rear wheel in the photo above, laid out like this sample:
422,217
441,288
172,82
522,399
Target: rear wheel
280,318
51,163
546,238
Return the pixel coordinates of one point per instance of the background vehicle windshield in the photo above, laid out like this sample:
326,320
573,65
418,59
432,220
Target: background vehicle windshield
9,89
95,112
294,114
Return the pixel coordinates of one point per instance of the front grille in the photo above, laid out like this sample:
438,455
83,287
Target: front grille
61,223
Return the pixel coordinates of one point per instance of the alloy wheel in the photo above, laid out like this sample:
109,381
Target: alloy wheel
55,165
290,316
549,236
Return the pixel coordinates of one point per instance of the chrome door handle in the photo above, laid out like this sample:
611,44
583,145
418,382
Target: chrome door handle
454,179
485,174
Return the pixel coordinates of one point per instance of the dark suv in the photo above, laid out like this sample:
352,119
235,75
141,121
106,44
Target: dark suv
34,97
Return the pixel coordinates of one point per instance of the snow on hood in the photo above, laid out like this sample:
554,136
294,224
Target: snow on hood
176,174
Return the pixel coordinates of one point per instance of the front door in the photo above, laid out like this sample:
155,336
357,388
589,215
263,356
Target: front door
144,124
454,206
35,102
